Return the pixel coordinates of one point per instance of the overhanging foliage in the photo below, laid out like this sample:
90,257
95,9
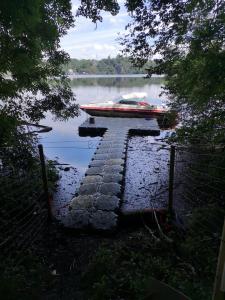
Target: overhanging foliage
30,54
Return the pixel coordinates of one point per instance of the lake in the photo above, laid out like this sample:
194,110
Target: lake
65,145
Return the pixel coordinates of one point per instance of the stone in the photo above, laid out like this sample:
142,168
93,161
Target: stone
110,150
113,178
92,179
119,140
79,219
97,163
102,220
112,162
100,157
107,162
113,169
89,189
82,202
116,156
112,144
94,171
106,202
110,189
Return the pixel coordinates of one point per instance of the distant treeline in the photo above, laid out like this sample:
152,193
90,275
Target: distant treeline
117,65
118,82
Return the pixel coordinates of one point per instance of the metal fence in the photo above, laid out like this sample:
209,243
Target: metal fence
199,174
23,205
182,178
188,180
199,184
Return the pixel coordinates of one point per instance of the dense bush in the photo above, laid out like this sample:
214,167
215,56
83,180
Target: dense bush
123,270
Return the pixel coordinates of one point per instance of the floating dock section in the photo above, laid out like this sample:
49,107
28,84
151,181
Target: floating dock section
98,202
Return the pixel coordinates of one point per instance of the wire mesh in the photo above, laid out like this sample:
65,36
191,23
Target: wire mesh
198,197
199,201
23,205
202,173
199,174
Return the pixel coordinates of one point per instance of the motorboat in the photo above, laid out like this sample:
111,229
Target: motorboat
132,105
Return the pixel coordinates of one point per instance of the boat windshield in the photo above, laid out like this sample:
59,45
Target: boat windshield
130,102
132,98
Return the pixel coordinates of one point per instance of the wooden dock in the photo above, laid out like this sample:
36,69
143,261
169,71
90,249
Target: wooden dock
97,204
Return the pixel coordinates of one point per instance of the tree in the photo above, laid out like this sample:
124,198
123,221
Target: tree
31,62
187,39
117,65
31,77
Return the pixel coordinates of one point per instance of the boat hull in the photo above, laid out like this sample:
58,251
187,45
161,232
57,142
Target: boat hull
126,113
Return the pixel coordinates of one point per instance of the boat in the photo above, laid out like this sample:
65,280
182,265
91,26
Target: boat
132,105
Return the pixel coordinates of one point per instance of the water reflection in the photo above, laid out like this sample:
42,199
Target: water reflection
116,81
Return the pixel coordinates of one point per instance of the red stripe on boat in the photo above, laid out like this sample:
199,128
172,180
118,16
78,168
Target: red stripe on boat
123,109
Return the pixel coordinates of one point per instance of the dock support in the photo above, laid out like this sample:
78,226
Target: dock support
91,120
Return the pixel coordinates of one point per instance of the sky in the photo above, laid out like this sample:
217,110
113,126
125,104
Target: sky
86,41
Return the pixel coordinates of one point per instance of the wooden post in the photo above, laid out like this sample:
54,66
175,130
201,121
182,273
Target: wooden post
171,179
219,284
44,179
92,120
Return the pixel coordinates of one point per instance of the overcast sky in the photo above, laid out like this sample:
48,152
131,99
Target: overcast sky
87,41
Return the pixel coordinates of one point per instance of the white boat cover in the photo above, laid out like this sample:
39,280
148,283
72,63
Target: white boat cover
134,95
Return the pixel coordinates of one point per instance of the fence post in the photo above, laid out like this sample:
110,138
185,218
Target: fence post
219,284
44,178
171,179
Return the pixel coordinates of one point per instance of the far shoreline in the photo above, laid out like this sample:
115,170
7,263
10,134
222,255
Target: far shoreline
75,76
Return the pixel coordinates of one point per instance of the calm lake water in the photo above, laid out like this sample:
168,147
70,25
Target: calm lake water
64,143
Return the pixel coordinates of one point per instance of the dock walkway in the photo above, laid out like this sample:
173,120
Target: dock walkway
97,204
